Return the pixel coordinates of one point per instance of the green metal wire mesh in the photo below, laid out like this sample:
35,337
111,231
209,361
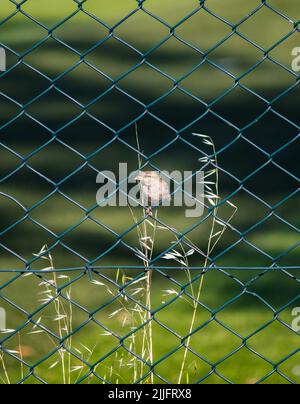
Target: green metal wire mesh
20,267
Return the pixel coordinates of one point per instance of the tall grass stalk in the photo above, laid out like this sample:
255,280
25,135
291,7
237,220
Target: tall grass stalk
147,243
213,196
21,356
63,316
140,311
6,379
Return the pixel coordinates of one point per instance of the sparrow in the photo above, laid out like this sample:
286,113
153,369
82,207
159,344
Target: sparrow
154,189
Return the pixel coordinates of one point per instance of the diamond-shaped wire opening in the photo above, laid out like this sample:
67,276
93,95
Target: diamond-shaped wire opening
274,342
224,134
24,75
10,136
237,166
26,238
36,346
113,58
237,10
125,151
239,252
71,136
281,80
8,9
142,31
214,342
288,156
282,52
105,286
32,33
287,211
12,362
51,59
47,14
291,10
173,49
197,368
202,22
109,13
86,176
256,314
245,363
54,109
265,18
89,239
235,56
47,214
274,237
11,161
116,109
180,149
135,84
251,209
86,339
286,106
16,186
197,82
116,368
190,109
268,192
278,132
227,288
170,14
54,366
247,107
290,368
15,307
84,83
107,216
185,305
9,259
16,213
10,110
161,136
85,39
63,257
278,289
67,161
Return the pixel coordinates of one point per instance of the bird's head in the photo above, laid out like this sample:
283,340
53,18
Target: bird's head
146,176
139,177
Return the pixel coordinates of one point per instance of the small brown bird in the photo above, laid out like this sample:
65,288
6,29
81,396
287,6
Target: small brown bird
154,189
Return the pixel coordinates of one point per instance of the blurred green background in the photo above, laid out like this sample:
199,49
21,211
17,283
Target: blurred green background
57,138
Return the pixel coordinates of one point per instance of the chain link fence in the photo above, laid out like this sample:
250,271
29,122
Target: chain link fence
115,295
